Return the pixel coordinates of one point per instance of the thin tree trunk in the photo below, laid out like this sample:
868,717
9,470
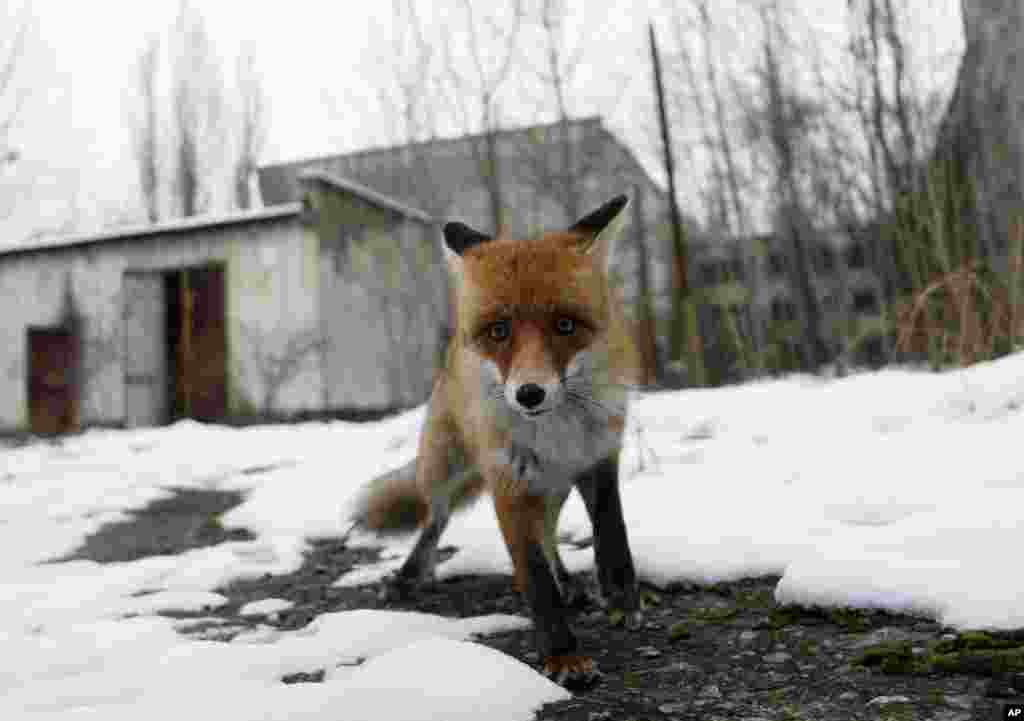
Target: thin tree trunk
685,334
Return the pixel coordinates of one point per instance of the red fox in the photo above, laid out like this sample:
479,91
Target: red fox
531,402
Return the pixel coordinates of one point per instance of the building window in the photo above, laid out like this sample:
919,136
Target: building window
826,260
865,301
776,264
736,268
856,257
783,310
708,273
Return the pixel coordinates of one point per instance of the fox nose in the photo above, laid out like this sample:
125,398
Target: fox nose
530,395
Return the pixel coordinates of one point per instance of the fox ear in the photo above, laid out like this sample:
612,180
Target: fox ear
600,227
459,237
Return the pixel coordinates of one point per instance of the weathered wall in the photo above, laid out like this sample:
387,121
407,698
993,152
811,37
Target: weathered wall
382,295
271,288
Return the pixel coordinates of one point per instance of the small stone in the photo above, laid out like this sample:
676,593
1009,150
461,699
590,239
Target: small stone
777,657
885,700
948,637
649,652
711,691
671,708
848,696
881,635
747,637
999,688
963,702
948,715
599,716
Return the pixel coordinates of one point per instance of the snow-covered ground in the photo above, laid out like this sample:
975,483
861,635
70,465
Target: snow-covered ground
897,490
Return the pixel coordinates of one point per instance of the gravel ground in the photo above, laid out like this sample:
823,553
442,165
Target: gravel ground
722,652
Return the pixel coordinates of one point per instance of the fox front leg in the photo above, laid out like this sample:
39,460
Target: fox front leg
616,575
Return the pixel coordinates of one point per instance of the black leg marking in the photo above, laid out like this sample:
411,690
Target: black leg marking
549,613
419,565
600,490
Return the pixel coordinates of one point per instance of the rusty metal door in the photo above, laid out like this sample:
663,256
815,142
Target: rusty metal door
202,344
52,380
145,347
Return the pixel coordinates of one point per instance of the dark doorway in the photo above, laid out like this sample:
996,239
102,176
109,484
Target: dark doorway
52,380
196,343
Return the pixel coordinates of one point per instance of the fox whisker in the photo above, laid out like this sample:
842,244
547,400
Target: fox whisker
590,381
584,399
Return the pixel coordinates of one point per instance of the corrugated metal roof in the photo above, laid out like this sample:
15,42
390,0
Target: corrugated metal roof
275,212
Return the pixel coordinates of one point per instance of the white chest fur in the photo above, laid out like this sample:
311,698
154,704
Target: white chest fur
559,445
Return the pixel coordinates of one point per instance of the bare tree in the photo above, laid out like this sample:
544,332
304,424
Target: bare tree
147,144
12,95
252,129
491,44
780,117
417,97
197,99
879,51
685,339
197,142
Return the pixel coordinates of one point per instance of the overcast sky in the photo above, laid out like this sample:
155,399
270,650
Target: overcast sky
77,75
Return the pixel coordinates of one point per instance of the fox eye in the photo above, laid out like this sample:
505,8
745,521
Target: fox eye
499,331
566,326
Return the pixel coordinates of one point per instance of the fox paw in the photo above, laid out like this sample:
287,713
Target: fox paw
572,671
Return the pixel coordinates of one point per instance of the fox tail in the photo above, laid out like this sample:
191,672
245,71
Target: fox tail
392,503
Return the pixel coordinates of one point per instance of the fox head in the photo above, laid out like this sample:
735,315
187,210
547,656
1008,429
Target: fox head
538,314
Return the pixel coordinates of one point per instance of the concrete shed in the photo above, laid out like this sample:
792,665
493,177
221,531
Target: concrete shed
334,305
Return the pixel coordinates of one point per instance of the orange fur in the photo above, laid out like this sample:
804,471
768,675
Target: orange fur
530,286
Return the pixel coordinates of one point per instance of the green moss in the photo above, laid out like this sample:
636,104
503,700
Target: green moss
679,631
897,712
720,589
852,620
986,662
631,679
714,615
649,599
808,648
891,657
783,616
976,641
616,617
755,599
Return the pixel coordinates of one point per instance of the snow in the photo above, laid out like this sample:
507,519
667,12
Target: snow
895,490
265,607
